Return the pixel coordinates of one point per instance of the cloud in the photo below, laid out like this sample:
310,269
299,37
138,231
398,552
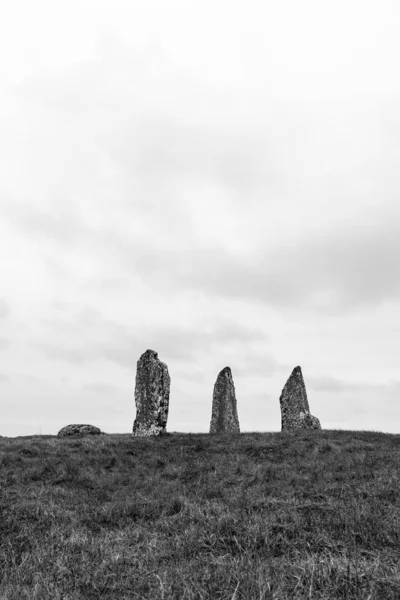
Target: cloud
187,343
4,378
86,336
213,191
332,384
255,364
228,155
102,388
344,268
335,270
116,351
30,379
83,335
60,224
5,308
4,343
193,375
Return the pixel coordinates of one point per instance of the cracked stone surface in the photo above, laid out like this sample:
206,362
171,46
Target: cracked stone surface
224,417
295,410
151,395
78,430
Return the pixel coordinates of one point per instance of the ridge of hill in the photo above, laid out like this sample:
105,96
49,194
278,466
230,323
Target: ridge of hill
306,514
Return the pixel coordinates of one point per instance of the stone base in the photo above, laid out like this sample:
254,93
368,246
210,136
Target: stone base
148,431
304,420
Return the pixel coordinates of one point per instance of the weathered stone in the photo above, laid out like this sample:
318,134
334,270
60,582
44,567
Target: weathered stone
295,410
224,417
78,430
151,395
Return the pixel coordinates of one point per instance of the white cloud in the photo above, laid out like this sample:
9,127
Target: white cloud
5,308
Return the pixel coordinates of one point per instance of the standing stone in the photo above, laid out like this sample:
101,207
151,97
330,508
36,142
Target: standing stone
224,418
151,395
294,404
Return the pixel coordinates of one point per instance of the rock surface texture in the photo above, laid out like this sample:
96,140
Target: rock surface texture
295,410
151,395
78,430
224,417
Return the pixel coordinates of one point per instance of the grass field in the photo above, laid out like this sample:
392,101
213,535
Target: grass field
191,516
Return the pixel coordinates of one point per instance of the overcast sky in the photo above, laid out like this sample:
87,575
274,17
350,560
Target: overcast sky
217,181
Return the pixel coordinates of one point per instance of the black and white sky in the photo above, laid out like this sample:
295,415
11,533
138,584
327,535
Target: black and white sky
215,180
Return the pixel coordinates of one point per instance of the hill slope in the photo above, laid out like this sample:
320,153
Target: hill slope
194,516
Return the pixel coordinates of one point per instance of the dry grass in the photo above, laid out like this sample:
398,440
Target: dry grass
192,516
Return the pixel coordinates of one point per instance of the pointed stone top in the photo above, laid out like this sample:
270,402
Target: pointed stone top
150,354
225,371
297,376
294,391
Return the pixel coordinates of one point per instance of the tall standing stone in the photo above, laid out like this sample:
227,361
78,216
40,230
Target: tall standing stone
224,418
151,395
295,410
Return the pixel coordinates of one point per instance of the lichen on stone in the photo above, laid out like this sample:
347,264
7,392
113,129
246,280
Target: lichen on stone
78,430
224,417
295,410
152,390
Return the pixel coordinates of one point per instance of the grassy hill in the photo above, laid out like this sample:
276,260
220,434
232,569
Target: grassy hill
193,516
